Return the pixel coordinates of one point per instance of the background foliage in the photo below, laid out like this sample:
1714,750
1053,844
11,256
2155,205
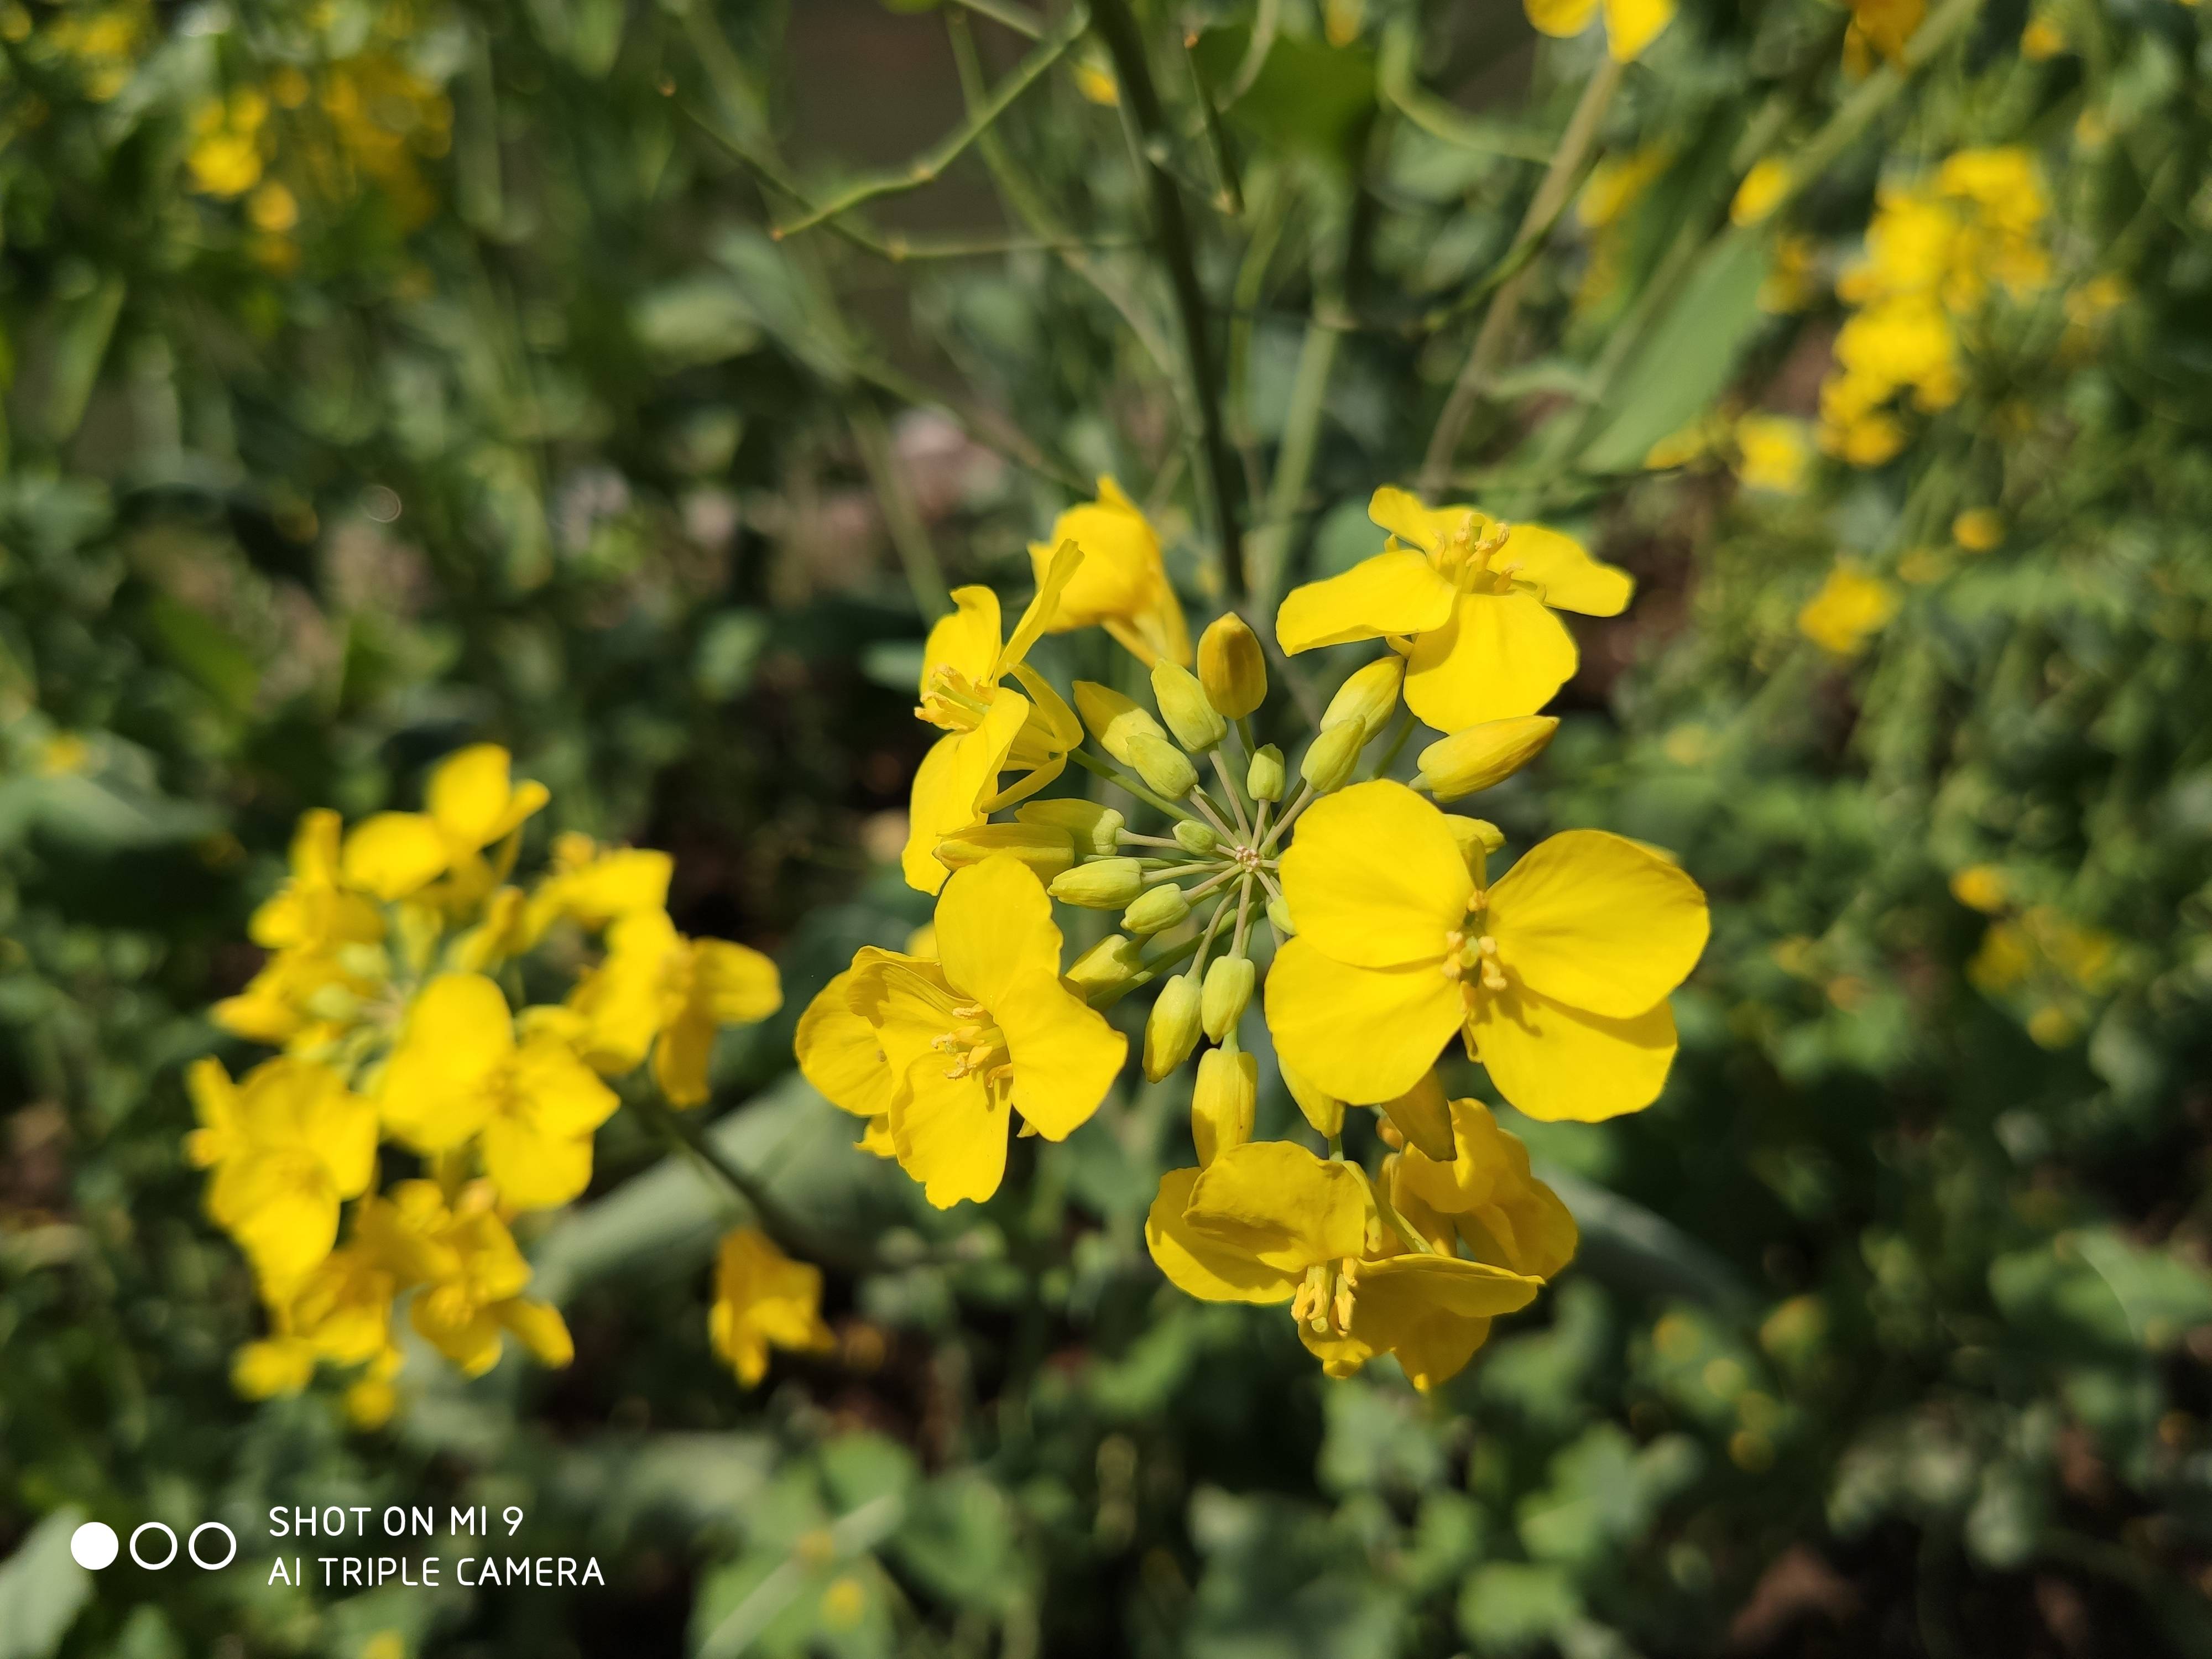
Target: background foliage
385,376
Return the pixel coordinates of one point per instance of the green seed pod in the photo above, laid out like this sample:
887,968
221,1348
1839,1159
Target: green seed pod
1483,755
1166,770
1157,910
1368,696
1101,884
1171,1031
1106,969
1195,838
1046,850
1231,667
1223,1104
1229,983
1324,1112
1196,723
1265,777
1279,913
1330,758
1095,830
1422,1115
1113,719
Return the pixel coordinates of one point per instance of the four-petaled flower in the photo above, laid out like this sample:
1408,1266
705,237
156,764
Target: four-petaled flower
763,1299
1123,585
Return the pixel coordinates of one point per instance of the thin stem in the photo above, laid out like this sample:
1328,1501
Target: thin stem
1287,487
1130,838
1305,797
925,574
686,1135
1243,910
1575,146
1125,42
1396,745
1205,938
1224,164
1236,796
1409,1235
1007,14
1114,775
1211,814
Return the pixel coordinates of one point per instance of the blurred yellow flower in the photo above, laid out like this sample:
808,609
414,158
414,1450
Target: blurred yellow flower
1616,182
471,803
469,1276
763,1299
1850,608
2042,38
1981,887
1978,529
287,1144
225,157
1761,192
1788,287
62,755
658,990
1773,454
1629,25
1880,27
1121,584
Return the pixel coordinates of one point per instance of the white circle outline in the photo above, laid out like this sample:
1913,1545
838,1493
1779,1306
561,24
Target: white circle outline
191,1546
101,1537
153,1526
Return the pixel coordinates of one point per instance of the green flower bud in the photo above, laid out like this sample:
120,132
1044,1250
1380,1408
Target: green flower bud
1166,770
1094,828
1368,696
1324,1112
1231,668
1222,1104
1157,910
1229,983
1330,758
1113,719
1106,969
1423,1117
1196,723
1483,755
1171,1031
1046,850
1264,778
1279,913
1101,884
1195,838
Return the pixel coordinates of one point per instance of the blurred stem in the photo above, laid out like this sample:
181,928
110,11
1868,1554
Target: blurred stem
1287,487
1125,42
1270,203
925,575
1225,163
684,1133
1007,16
1577,145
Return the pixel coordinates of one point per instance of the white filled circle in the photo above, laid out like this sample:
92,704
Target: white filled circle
144,1528
94,1546
192,1544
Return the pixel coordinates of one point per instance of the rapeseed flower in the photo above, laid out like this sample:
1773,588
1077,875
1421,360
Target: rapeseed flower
1851,608
472,804
1629,25
468,1276
763,1299
658,990
287,1144
1123,584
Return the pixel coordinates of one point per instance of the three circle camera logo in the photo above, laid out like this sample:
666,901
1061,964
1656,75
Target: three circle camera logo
95,1545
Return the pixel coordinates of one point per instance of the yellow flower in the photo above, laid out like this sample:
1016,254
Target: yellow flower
458,1071
763,1299
1614,185
468,1274
312,911
473,804
1485,1194
990,727
592,886
658,990
1557,976
64,754
1772,453
1472,602
1978,529
1880,26
1761,192
1789,284
839,1054
287,1143
1981,887
2041,39
1123,585
1851,608
1269,1223
341,1312
986,1030
225,158
1629,25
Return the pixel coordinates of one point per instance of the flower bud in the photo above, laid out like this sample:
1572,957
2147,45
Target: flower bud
1424,1118
1046,850
1264,778
1166,770
1101,884
1113,719
1483,755
1171,1032
1106,969
1228,993
1368,696
1478,838
1095,830
1278,914
1231,666
1324,1112
1159,910
1196,723
1222,1104
1195,838
1330,758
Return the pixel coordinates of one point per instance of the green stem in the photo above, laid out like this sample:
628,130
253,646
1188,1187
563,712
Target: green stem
1235,795
1286,486
1304,799
1114,775
686,1136
1008,15
1396,745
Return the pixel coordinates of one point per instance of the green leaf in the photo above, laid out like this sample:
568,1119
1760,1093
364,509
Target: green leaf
206,652
697,320
1508,1607
42,1589
959,1540
2095,1286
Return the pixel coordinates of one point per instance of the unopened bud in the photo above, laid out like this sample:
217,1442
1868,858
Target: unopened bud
1325,1112
1223,1104
1368,696
1101,884
1231,668
1424,1118
1483,755
1478,838
1264,778
1172,1030
1166,770
1196,723
1094,828
1113,719
1279,915
1195,838
1229,984
1046,850
1330,758
1106,969
1159,910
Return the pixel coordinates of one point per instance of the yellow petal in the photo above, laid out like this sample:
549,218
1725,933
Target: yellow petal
1561,18
1554,1062
562,1094
1395,592
995,930
1597,921
458,1032
682,1055
1470,1177
1632,25
1501,655
1276,1202
839,1054
955,777
473,801
1203,1267
1362,1035
1563,572
1052,577
876,1139
740,987
967,641
393,853
1374,877
1066,1056
540,1329
951,1134
534,1170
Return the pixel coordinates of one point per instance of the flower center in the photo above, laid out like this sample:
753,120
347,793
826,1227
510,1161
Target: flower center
976,1048
1326,1298
1464,555
1470,953
953,701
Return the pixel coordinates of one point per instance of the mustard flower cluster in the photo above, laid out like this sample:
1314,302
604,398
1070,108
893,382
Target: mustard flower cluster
1357,917
393,993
